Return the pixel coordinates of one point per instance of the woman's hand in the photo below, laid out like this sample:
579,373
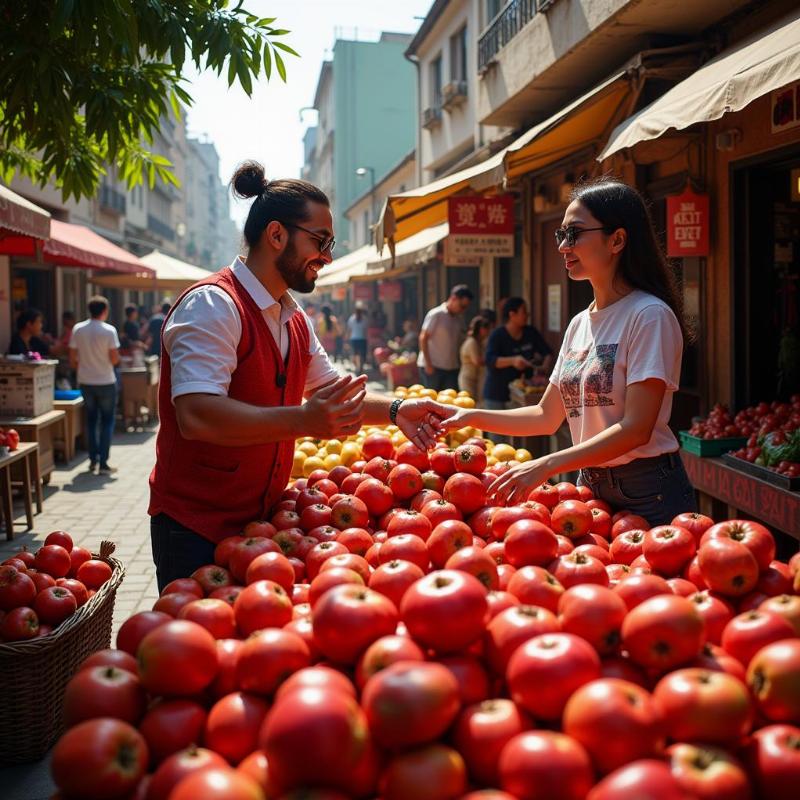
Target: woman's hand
457,420
421,419
514,485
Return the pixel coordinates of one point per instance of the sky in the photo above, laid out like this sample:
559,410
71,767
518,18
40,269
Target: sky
267,126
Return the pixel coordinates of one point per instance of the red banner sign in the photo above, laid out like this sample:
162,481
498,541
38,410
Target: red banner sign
390,291
687,224
363,291
481,216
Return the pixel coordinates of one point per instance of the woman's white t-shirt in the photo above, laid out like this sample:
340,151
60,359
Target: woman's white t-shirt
606,350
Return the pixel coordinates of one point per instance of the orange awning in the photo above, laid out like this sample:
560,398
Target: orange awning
76,246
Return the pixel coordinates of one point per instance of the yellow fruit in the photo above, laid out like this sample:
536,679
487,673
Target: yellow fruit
463,394
428,393
297,463
464,402
351,451
312,463
415,387
332,460
449,392
307,447
490,461
503,452
523,455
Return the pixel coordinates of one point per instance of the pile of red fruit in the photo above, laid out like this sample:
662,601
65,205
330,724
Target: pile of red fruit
38,591
758,420
9,437
376,638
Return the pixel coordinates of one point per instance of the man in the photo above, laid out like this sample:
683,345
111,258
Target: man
154,330
238,358
29,336
130,330
93,353
440,339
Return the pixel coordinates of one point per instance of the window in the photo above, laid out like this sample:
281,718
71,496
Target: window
436,82
458,55
366,227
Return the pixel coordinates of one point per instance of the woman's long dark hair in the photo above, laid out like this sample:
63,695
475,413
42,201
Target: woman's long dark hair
476,325
642,263
326,312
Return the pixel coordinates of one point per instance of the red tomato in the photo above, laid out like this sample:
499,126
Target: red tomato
747,633
316,677
246,551
716,614
786,606
16,588
469,458
513,627
446,610
409,521
18,624
255,766
754,536
708,773
571,518
404,481
535,586
442,463
94,573
173,602
217,783
422,498
696,524
432,771
406,547
356,540
504,518
61,538
712,657
774,760
669,549
775,579
471,676
529,542
325,723
773,679
546,494
170,726
704,706
409,453
475,562
184,586
727,566
178,658
263,604
410,703
377,445
54,560
601,522
183,764
635,589
103,691
258,527
216,616
212,577
382,653
77,556
54,605
376,496
135,628
682,587
233,725
98,759
445,539
394,577
627,522
321,553
544,765
111,658
595,613
616,721
544,671
329,578
577,567
266,657
465,492
646,778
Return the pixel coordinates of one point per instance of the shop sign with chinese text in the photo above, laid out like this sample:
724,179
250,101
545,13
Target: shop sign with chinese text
480,226
363,291
390,291
687,224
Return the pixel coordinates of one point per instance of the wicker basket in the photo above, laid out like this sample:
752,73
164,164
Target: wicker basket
33,673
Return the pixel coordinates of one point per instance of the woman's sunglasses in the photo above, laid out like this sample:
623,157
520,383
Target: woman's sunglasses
570,234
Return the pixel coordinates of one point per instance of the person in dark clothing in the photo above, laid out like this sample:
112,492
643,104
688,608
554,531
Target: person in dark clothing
130,330
154,330
28,337
514,348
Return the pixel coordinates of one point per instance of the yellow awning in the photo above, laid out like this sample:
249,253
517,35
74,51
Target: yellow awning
339,271
584,122
417,249
170,273
729,82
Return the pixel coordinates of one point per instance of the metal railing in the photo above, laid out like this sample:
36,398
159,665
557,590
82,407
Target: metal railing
160,228
505,26
112,200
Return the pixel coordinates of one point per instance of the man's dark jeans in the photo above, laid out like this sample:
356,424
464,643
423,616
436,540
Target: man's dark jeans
101,406
441,379
177,551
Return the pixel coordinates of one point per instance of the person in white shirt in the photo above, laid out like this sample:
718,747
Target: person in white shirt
94,352
618,368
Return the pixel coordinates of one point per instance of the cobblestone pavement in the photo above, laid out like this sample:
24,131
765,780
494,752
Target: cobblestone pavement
92,508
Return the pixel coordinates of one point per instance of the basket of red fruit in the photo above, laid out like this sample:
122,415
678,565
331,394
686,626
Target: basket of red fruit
56,608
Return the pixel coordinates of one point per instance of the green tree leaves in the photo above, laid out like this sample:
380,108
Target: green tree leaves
85,85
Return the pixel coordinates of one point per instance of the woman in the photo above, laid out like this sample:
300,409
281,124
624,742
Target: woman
29,336
328,329
471,354
357,336
617,370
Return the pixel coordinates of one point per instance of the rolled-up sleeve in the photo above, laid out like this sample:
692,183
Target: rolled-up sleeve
201,338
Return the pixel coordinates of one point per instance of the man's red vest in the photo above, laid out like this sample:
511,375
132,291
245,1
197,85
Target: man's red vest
214,490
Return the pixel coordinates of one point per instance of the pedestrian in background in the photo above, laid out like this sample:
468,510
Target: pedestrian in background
357,336
328,329
131,331
470,376
154,330
490,315
440,340
29,337
93,353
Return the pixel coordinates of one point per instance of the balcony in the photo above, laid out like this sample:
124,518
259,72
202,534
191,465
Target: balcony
159,228
454,94
112,200
505,26
432,117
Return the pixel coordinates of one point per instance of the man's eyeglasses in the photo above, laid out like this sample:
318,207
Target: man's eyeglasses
570,234
325,242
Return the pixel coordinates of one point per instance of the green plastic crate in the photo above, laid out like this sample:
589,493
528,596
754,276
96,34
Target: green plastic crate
710,447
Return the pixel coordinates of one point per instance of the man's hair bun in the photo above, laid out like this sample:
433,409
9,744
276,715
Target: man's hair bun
249,180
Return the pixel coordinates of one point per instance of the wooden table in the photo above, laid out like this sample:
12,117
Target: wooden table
43,430
728,491
26,456
73,425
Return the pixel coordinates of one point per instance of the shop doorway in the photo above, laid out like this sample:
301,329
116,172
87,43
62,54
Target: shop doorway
766,285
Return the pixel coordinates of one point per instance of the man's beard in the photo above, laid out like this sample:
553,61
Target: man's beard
294,271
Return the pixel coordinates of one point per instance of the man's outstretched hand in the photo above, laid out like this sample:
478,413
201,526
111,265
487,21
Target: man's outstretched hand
420,419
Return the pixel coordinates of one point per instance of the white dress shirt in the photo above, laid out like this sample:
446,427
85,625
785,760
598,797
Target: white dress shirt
203,333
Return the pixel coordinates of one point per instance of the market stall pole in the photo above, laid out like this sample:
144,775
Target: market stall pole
25,456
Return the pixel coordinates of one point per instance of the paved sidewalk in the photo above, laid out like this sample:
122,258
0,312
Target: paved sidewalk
92,508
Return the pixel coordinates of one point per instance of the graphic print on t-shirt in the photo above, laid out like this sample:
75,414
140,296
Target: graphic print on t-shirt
587,378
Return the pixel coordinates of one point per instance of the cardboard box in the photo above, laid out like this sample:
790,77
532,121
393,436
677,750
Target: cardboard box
27,388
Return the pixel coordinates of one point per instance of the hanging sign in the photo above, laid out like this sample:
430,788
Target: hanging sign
339,293
362,291
480,226
687,224
390,291
785,107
